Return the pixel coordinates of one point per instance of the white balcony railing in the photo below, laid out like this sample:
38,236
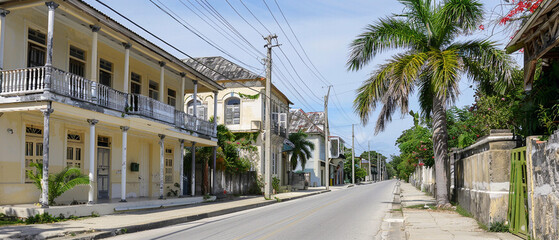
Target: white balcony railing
20,82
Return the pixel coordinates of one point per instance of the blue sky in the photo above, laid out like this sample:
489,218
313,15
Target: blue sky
324,28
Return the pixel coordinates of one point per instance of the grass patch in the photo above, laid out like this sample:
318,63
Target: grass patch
460,210
397,209
9,220
39,219
422,206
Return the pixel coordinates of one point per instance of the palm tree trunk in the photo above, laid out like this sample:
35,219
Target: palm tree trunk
440,149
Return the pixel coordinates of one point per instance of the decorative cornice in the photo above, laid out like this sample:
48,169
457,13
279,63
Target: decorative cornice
95,28
4,12
124,128
182,74
162,64
52,5
92,121
126,45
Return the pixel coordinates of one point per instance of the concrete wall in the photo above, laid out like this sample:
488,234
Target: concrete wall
482,176
424,178
241,184
543,187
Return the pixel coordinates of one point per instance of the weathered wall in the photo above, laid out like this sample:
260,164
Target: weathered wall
424,179
482,176
235,183
543,187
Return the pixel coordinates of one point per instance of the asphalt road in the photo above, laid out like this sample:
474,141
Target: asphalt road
352,213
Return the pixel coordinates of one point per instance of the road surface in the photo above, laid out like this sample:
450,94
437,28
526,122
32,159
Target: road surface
352,213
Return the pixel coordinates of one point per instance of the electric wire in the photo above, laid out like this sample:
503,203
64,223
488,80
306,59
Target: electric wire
258,20
198,35
222,32
244,19
301,46
177,49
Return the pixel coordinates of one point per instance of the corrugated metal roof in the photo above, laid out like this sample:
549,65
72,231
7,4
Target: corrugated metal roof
311,122
228,69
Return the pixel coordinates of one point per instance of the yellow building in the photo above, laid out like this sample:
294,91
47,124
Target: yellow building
79,89
241,107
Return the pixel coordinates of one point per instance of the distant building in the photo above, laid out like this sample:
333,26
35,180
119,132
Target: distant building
241,107
312,123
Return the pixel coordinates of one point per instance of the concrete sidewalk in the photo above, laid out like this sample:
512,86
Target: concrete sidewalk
427,224
109,225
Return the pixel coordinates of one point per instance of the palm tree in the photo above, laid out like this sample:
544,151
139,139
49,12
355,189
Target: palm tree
302,149
432,60
59,183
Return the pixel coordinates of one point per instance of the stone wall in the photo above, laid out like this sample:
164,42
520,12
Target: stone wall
542,165
482,176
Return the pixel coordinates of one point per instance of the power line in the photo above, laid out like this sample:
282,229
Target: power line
244,18
255,16
300,45
195,33
177,49
289,41
296,73
222,32
229,25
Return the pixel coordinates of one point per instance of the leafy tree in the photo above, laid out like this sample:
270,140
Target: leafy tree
302,150
432,61
58,183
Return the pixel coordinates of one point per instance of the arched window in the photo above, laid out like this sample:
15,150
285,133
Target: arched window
233,111
201,110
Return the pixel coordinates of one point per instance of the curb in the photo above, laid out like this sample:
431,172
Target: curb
159,224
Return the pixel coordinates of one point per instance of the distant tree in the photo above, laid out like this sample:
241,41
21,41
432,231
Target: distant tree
302,150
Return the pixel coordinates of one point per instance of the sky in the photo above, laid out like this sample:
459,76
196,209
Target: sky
324,29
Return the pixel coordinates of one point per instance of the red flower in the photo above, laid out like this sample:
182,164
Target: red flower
477,135
421,164
224,191
481,27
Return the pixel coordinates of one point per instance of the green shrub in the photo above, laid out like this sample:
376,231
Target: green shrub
276,184
498,227
60,182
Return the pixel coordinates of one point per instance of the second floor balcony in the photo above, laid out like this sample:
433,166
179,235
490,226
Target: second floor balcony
33,81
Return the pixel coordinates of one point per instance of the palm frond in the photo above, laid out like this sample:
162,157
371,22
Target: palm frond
499,66
391,85
388,33
445,69
466,15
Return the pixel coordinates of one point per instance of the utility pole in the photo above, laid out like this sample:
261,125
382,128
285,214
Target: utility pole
268,117
369,156
378,166
326,139
352,154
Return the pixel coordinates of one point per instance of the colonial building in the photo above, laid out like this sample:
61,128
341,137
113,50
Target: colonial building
312,123
78,89
241,107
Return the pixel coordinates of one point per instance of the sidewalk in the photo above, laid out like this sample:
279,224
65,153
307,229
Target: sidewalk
110,225
422,224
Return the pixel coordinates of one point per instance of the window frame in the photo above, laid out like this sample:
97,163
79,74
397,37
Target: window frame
102,70
75,58
171,97
152,91
236,108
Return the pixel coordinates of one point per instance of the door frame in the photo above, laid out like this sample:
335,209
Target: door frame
109,167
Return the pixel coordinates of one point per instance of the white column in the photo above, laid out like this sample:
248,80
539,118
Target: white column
92,136
50,36
3,14
162,82
126,66
93,61
181,94
181,161
161,164
195,98
193,178
123,167
46,139
215,112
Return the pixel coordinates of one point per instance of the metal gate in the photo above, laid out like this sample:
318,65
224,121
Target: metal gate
518,210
